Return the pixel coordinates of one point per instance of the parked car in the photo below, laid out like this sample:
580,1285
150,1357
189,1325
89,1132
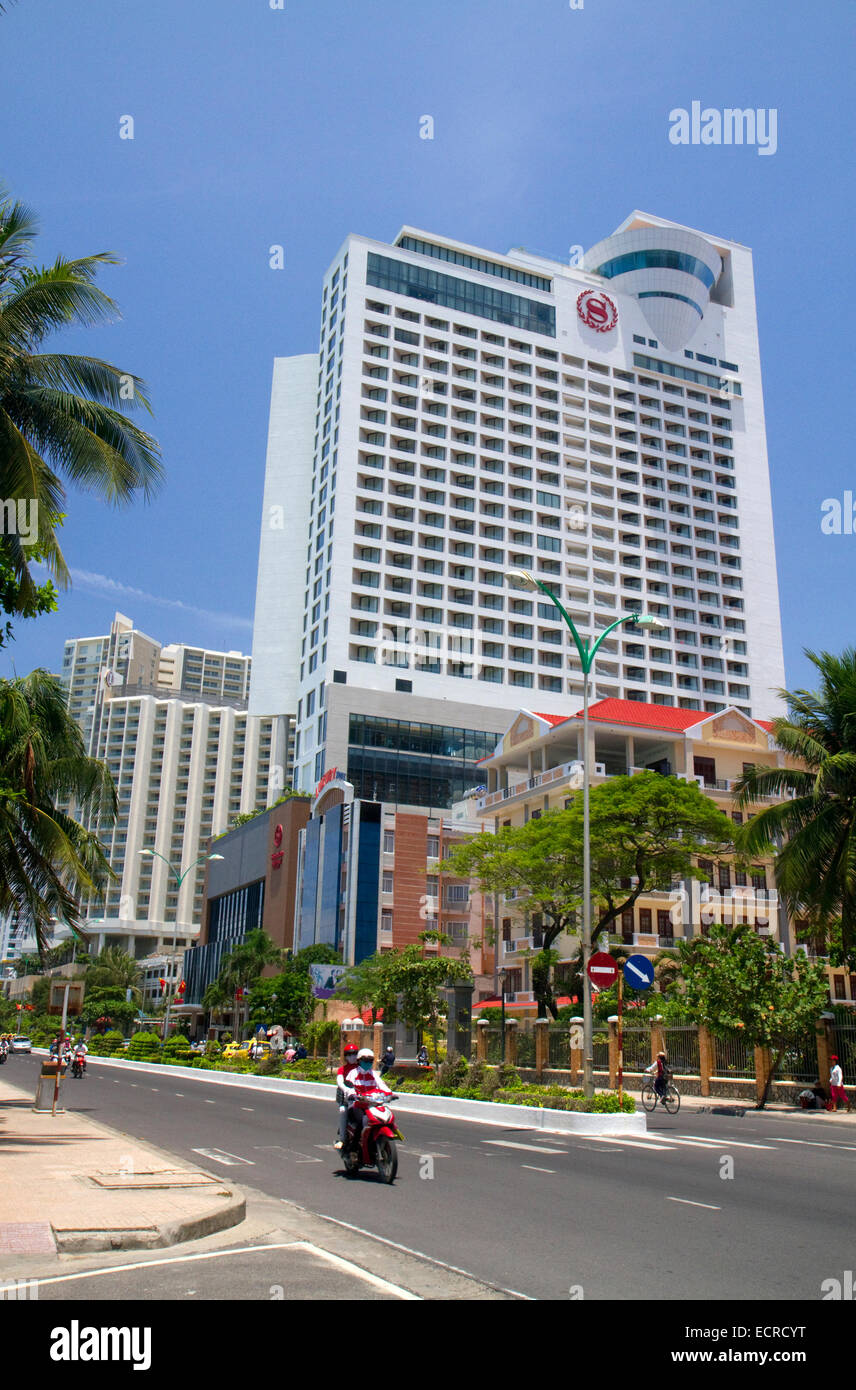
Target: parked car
20,1044
238,1050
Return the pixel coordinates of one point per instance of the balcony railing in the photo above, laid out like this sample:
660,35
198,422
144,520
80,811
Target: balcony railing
542,779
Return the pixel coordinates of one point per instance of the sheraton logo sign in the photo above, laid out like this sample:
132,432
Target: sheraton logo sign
597,311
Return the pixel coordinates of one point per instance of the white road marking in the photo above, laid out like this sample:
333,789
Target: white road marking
221,1156
294,1120
687,1203
249,1108
625,1143
420,1254
531,1148
209,1102
242,1250
533,1169
714,1143
817,1144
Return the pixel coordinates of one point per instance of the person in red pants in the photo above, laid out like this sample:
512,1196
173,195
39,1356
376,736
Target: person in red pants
836,1085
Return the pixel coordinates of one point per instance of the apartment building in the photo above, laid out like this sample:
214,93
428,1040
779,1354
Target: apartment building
172,725
539,760
600,425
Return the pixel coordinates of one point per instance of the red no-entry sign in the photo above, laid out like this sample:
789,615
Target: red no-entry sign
602,970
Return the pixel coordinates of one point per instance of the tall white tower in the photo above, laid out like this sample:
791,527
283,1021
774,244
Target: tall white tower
601,425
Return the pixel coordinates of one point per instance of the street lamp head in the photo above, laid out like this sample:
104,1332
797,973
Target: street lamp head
521,579
216,856
648,620
148,852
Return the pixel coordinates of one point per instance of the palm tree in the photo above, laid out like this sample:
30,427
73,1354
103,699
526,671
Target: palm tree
48,860
60,411
115,969
244,965
814,831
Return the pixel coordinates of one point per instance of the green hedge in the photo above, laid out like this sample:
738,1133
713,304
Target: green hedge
144,1047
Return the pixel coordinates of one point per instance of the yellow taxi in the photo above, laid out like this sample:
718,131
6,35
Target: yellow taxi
235,1050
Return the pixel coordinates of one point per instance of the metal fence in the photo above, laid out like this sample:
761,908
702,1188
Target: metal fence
637,1049
799,1059
600,1049
559,1051
732,1056
494,1045
525,1045
682,1050
845,1050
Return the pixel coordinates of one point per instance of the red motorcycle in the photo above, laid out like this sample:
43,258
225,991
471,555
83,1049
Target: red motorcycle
375,1146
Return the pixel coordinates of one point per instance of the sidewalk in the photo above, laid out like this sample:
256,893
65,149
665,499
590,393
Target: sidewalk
731,1105
71,1184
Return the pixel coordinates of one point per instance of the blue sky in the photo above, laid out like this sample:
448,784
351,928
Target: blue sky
256,126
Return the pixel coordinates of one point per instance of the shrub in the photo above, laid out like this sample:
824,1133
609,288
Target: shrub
144,1047
178,1049
509,1077
213,1050
451,1073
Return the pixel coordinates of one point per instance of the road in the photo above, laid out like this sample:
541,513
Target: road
703,1207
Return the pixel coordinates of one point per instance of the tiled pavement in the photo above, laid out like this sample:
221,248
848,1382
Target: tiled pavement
69,1183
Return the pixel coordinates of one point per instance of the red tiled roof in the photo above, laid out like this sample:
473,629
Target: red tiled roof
642,715
646,716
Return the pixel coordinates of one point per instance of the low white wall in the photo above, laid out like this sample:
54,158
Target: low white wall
477,1111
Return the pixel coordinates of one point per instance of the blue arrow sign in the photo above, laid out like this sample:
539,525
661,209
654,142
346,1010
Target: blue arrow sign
639,972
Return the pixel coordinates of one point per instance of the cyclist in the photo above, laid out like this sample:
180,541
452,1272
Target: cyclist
663,1076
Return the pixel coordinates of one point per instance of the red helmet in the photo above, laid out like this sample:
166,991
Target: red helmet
351,1050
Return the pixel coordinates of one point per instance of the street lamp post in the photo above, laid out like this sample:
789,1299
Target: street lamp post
522,579
179,879
503,975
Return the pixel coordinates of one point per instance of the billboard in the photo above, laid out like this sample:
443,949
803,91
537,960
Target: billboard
325,979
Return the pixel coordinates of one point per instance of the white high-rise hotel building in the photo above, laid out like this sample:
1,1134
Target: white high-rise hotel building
601,425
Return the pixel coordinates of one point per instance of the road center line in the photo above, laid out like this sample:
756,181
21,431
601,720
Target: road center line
530,1148
685,1201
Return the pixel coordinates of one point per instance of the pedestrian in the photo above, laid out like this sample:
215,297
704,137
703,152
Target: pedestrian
387,1060
290,1052
422,1056
836,1086
300,1053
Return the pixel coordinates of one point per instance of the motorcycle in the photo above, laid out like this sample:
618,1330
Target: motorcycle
78,1066
375,1147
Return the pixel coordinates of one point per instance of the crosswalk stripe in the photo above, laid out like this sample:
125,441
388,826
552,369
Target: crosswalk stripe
699,1143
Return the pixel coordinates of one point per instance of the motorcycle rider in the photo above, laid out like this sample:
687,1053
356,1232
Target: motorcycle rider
362,1081
342,1086
80,1051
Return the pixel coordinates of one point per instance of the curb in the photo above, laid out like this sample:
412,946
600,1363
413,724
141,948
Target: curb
151,1237
444,1107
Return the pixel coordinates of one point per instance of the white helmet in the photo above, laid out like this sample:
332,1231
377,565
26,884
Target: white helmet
365,1054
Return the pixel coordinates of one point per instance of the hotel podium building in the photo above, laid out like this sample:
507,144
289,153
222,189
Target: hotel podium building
600,425
537,763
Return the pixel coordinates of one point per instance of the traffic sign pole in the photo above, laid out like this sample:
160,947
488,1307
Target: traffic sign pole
620,1040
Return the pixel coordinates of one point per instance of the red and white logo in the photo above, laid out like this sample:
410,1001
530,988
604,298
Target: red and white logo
597,311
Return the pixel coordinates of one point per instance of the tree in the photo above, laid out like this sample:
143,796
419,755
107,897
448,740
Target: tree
116,971
813,831
405,984
292,1007
737,981
107,1003
240,969
646,831
48,859
60,413
25,600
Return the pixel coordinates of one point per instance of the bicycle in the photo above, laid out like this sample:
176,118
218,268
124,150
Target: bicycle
670,1100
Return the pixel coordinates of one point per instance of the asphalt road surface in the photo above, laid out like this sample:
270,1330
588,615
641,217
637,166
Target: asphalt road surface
704,1207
